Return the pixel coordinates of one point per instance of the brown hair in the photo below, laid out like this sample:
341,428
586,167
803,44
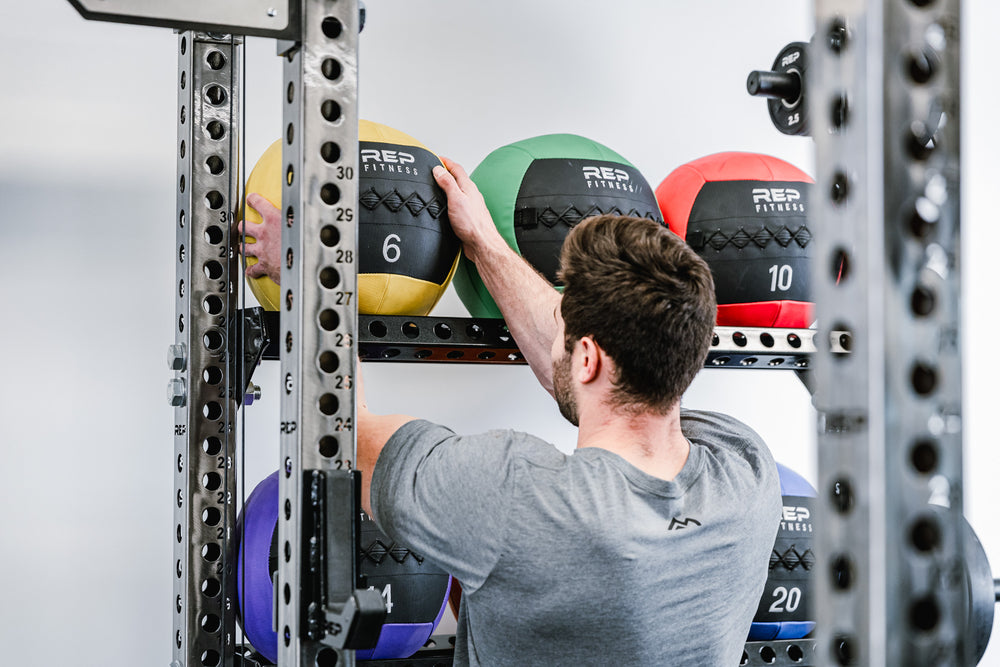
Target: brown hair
646,298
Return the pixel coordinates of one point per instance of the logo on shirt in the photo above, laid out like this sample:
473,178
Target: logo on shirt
677,524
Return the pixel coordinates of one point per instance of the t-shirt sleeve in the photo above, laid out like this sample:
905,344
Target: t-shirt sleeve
444,496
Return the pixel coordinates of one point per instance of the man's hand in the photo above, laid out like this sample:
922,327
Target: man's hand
470,219
267,247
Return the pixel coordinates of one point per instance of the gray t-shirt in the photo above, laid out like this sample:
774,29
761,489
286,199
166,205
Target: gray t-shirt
584,559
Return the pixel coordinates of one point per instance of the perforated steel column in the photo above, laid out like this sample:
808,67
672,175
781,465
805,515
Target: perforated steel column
204,513
885,100
318,309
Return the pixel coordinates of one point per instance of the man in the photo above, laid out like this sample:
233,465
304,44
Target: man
649,544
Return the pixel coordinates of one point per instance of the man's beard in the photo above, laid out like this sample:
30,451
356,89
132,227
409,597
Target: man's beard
562,385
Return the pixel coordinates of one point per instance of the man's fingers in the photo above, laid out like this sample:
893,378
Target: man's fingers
446,181
458,172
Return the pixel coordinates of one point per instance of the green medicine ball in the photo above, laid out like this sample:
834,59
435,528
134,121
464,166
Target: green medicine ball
538,189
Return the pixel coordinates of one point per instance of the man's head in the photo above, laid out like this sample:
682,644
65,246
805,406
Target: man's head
646,298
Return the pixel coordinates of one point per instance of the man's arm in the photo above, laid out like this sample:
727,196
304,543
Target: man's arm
526,299
373,432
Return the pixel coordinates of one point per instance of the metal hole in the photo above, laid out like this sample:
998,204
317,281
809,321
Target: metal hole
842,495
410,330
289,216
919,140
216,95
329,277
210,657
923,379
794,340
290,133
795,653
183,80
925,614
215,130
215,165
840,266
422,354
486,355
211,623
923,218
925,534
328,404
329,236
390,353
216,60
328,446
767,655
211,516
331,110
289,175
843,650
212,445
288,466
213,269
290,93
442,331
214,200
836,36
211,481
842,572
840,188
288,509
332,27
289,258
287,636
289,299
329,319
330,152
767,340
184,45
922,301
211,552
740,339
921,65
214,236
327,657
455,354
377,328
183,148
329,193
211,587
331,69
213,340
212,304
183,114
180,534
212,410
182,219
924,456
182,183
839,112
328,361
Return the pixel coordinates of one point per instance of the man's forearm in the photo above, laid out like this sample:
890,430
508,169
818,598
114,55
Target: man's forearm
528,304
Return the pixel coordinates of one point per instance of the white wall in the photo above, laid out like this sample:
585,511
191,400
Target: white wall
86,184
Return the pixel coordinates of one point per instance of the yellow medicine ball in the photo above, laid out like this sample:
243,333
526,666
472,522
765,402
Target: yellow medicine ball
407,249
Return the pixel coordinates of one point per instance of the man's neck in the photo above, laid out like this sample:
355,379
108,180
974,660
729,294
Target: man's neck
651,442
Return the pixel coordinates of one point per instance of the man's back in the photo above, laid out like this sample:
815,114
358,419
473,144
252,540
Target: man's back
585,559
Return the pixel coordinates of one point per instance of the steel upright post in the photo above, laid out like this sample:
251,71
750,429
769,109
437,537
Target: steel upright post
318,326
885,102
205,410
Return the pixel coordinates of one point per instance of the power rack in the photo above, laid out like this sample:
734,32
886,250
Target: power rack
885,361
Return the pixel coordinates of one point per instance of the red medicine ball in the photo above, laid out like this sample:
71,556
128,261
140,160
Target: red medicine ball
745,214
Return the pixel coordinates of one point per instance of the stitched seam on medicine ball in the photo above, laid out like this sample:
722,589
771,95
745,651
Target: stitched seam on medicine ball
395,201
783,236
571,216
791,559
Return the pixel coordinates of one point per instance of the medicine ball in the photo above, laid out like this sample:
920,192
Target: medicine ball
414,590
785,610
407,249
745,214
538,189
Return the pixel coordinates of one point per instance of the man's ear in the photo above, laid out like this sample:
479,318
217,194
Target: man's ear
592,358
